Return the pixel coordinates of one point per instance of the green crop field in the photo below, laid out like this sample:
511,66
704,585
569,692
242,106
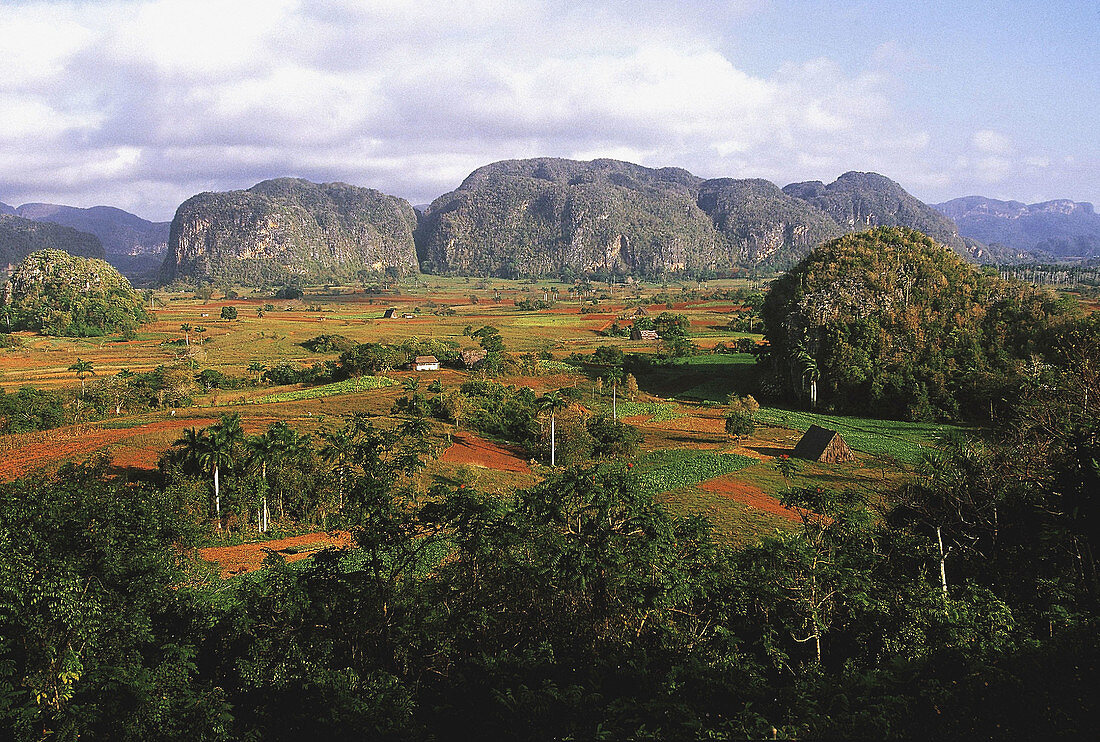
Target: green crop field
903,441
669,469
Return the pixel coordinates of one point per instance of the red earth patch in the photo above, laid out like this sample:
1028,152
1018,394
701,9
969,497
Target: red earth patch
235,560
470,449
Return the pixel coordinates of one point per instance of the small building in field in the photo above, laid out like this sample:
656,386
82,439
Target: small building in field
426,363
637,334
823,445
634,313
390,313
408,315
473,357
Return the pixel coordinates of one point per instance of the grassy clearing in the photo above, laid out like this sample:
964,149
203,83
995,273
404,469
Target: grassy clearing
669,469
903,441
348,386
659,412
732,521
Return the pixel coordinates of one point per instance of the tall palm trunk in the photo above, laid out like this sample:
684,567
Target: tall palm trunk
553,430
217,498
263,476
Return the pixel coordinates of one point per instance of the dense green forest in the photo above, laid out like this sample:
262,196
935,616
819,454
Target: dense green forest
960,605
890,323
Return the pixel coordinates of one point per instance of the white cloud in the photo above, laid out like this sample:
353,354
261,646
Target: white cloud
991,142
146,102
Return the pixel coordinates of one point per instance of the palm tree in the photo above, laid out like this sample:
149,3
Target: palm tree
263,450
185,328
615,376
810,374
340,450
82,368
215,449
552,402
257,368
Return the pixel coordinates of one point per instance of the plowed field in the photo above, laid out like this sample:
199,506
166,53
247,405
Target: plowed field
470,449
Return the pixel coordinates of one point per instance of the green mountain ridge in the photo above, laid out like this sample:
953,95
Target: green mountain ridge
20,237
553,216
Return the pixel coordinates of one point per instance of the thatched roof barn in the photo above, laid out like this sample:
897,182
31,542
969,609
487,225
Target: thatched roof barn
824,445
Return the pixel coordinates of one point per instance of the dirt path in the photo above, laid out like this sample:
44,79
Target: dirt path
470,449
746,494
235,560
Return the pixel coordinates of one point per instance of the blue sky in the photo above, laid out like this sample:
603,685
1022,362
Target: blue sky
142,103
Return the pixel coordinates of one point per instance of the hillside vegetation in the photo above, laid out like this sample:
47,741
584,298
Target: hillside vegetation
891,323
61,294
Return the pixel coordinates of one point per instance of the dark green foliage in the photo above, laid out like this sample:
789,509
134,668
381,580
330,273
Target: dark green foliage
289,229
20,237
60,294
30,409
369,359
329,344
502,411
211,378
890,323
95,642
289,292
229,313
613,438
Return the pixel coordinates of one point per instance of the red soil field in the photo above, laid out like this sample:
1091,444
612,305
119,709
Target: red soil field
56,446
746,494
470,449
235,560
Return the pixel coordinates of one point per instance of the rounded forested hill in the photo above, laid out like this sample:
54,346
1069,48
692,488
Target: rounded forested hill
891,323
60,294
289,228
20,237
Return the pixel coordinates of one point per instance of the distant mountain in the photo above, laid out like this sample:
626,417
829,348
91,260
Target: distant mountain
287,229
5,209
20,237
132,244
1058,229
860,201
551,216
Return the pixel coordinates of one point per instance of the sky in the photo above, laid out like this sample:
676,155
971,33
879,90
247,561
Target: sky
140,104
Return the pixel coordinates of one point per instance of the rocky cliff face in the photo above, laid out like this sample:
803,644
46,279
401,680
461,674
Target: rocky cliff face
20,237
132,244
1057,229
860,201
289,229
759,223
